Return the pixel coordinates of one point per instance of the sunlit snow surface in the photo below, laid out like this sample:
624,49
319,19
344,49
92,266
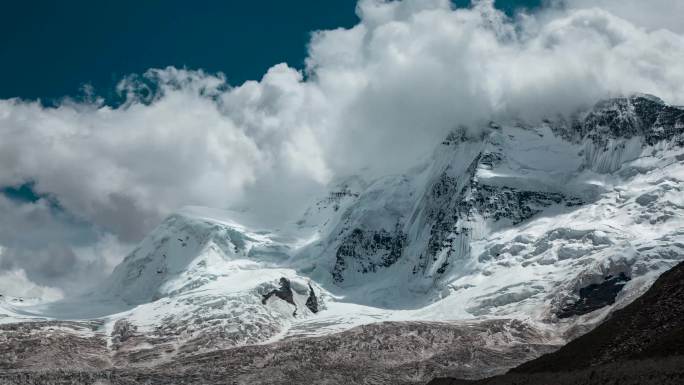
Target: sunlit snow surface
196,282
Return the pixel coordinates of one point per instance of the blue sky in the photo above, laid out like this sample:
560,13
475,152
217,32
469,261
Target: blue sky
49,49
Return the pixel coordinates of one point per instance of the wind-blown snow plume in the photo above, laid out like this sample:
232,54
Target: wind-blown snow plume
372,99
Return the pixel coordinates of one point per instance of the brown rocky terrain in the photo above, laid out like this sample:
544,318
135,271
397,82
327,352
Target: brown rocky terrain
391,352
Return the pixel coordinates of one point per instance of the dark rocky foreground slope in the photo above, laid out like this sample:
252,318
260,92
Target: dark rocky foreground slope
640,344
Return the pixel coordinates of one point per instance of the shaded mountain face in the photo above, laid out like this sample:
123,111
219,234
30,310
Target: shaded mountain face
548,225
644,340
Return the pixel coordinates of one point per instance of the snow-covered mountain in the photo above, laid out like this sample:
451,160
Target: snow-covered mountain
553,224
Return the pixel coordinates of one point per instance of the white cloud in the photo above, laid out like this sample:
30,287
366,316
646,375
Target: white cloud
651,14
14,283
373,99
52,248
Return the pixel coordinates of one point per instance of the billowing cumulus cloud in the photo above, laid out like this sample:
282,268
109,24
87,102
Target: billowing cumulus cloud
372,99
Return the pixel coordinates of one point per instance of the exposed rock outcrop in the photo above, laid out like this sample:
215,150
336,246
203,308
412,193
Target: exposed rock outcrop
312,300
595,296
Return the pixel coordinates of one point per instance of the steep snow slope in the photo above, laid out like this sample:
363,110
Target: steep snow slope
555,223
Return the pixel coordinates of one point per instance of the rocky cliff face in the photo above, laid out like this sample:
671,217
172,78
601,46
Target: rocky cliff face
643,116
